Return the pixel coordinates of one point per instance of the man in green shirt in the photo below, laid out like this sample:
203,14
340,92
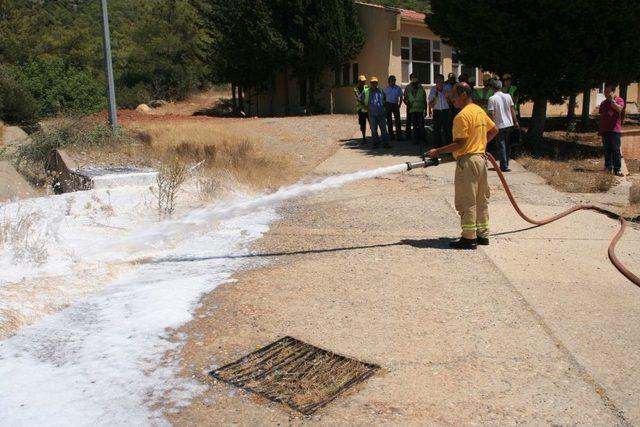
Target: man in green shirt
481,95
416,99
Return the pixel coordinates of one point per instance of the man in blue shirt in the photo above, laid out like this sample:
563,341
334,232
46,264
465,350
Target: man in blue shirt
393,94
373,97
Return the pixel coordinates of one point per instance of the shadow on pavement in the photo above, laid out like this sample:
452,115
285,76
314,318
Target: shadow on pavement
438,243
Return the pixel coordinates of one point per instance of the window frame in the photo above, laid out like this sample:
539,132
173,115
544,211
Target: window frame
341,78
435,46
457,67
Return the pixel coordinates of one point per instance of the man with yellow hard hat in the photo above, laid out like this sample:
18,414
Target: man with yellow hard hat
482,95
362,109
374,99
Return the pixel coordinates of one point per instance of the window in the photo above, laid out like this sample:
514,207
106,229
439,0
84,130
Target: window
354,73
345,75
459,68
421,57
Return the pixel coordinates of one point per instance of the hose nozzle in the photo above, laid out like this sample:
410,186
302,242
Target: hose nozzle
425,163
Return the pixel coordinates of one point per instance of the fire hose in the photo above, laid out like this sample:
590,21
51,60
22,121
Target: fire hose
540,222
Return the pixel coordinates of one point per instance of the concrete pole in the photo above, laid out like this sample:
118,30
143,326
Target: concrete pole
108,66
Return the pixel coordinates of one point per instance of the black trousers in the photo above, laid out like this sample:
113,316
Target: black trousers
441,128
393,111
362,120
417,122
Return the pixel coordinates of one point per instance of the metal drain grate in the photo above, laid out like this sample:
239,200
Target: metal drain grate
295,373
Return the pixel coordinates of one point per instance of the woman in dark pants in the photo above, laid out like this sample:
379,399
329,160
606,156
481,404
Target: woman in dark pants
611,128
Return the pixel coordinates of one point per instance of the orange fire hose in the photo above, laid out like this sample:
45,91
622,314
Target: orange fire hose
612,246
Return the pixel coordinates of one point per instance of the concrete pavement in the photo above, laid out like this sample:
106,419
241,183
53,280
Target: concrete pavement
537,328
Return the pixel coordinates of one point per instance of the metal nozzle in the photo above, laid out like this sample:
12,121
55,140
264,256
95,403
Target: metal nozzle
423,164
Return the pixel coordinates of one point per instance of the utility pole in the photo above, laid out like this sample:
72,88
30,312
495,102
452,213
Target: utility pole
108,66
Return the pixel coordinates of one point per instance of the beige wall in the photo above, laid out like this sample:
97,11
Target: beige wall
633,101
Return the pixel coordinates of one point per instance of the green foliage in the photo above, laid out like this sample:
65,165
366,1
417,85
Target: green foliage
254,39
246,46
59,89
167,57
17,106
70,133
553,48
158,50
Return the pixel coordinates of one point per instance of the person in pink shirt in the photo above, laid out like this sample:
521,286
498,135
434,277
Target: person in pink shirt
610,129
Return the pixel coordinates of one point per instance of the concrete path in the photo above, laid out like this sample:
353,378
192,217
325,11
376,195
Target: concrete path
537,328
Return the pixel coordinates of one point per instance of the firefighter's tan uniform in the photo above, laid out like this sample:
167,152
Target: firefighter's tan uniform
471,186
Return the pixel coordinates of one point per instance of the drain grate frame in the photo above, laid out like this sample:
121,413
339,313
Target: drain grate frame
294,373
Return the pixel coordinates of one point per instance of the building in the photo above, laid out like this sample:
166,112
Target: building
398,42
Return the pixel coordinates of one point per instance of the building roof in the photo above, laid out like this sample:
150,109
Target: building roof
412,15
405,14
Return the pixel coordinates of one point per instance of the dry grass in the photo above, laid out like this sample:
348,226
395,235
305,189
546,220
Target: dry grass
572,176
195,102
220,152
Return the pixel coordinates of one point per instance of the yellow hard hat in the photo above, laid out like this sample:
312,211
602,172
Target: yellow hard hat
374,79
362,78
506,77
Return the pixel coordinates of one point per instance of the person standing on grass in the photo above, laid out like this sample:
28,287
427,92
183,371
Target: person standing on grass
416,99
472,129
503,112
362,109
374,99
393,94
439,103
610,129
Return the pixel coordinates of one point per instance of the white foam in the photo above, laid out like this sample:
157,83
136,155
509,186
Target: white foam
101,360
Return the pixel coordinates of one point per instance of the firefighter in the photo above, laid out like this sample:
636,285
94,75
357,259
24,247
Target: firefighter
472,129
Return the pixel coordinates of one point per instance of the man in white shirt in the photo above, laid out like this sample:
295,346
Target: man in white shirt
393,95
439,104
502,110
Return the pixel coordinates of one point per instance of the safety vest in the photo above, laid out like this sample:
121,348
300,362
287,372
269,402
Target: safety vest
480,95
367,92
362,107
416,99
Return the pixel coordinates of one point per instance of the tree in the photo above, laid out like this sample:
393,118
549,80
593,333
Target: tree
245,44
331,35
544,43
169,56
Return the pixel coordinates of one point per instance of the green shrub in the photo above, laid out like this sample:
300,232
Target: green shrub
62,90
17,105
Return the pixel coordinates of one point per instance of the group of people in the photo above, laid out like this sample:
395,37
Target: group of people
381,109
468,123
